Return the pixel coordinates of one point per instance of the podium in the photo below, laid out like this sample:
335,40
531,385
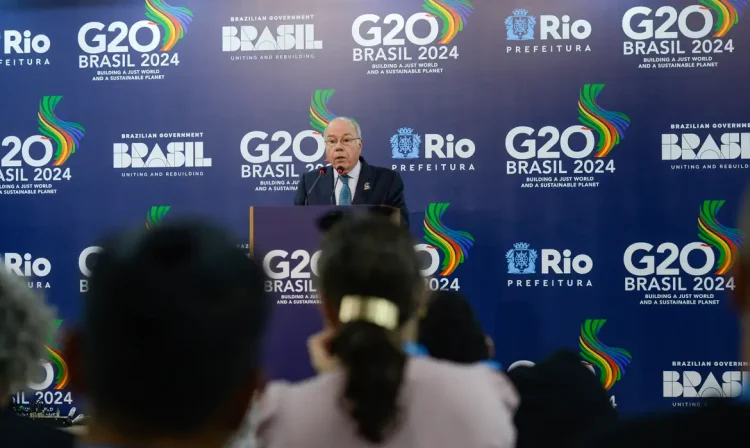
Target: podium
286,240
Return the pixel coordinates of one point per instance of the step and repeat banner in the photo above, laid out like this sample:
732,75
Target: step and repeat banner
575,168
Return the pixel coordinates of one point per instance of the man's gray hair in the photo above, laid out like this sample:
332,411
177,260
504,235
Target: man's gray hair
350,120
25,324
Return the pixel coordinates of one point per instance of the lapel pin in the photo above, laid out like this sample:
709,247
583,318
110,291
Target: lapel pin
367,186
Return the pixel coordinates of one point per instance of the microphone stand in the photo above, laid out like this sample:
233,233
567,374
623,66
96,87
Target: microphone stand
320,174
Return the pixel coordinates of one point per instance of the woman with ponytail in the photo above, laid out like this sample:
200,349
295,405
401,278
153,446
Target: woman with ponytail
370,390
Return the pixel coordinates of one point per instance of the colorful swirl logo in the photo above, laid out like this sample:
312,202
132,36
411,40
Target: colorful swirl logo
726,240
454,244
610,125
155,216
453,13
61,368
728,14
173,20
320,116
62,378
66,134
610,361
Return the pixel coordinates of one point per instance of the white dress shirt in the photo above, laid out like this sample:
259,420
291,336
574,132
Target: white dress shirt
353,178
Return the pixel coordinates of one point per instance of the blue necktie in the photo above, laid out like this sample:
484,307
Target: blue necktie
345,197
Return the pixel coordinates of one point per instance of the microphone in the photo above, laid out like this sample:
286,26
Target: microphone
321,172
333,192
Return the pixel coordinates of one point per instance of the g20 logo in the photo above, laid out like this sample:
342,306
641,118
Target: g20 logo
670,260
261,152
393,36
648,266
282,265
547,144
433,265
300,264
256,150
93,40
25,152
66,135
668,34
166,26
368,33
646,28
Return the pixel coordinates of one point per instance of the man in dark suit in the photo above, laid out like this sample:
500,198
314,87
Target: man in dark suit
356,181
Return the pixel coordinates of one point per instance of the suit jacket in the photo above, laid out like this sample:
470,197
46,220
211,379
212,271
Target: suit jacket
19,432
385,188
717,424
561,401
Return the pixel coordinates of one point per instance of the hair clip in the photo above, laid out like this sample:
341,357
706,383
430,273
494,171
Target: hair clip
375,310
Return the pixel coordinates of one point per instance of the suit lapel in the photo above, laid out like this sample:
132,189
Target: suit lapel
325,188
364,184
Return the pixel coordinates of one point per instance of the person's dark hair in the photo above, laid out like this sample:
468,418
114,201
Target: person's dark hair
173,322
450,330
370,256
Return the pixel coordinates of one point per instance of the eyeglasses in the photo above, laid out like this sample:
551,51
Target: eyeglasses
346,141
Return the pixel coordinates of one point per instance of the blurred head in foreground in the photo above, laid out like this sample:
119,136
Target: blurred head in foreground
451,331
25,324
170,344
370,284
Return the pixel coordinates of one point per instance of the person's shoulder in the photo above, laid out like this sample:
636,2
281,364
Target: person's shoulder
475,400
282,396
284,410
468,381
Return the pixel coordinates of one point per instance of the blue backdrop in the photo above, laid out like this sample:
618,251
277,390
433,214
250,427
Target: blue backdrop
566,162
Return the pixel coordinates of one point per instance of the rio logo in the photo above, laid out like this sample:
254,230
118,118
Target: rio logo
25,265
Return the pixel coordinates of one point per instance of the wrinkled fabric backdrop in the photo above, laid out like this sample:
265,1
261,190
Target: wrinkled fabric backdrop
574,167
